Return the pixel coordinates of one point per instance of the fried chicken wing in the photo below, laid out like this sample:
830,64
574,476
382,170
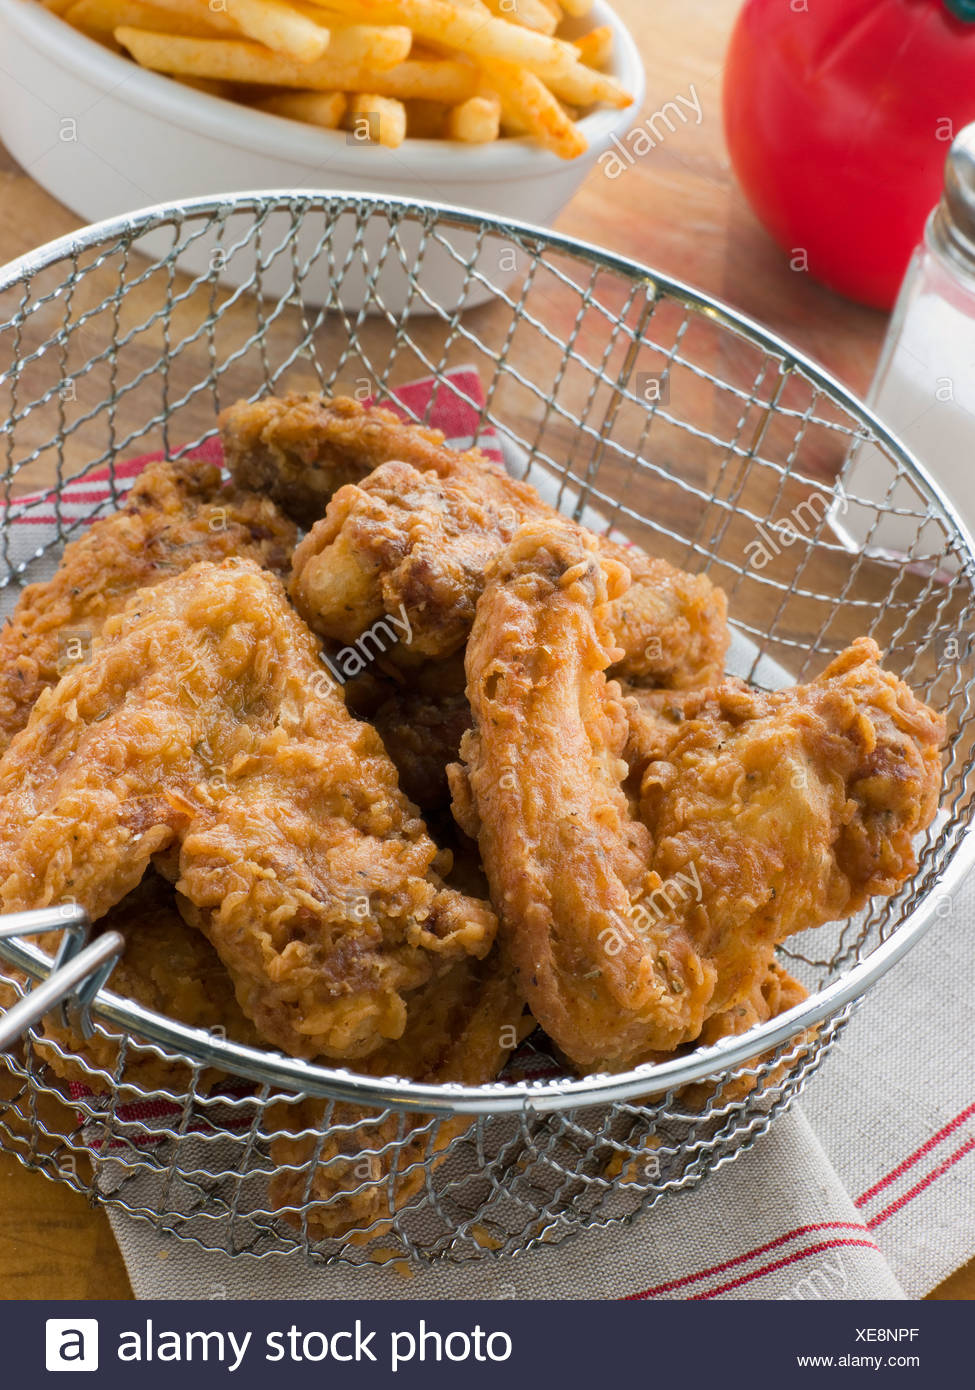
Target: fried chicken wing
410,526
462,1029
300,449
175,514
205,720
404,543
760,816
856,737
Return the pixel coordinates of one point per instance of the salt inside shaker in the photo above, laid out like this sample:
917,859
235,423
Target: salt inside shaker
924,386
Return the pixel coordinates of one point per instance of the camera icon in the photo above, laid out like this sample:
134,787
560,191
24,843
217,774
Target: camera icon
71,1344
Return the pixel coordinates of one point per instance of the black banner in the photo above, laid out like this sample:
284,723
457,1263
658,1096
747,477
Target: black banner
185,1345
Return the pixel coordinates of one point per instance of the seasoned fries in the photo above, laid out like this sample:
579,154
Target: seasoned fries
103,17
376,120
476,121
316,108
596,47
230,61
457,26
529,105
280,28
382,71
370,45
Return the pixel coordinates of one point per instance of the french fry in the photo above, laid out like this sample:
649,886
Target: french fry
431,79
468,31
376,120
206,84
230,60
211,12
584,87
372,45
533,14
324,109
476,121
575,9
528,103
596,47
280,27
425,120
105,16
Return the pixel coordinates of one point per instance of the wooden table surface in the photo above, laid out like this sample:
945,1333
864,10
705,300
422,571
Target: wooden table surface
678,208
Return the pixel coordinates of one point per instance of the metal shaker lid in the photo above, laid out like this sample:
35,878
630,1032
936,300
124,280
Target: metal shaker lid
953,225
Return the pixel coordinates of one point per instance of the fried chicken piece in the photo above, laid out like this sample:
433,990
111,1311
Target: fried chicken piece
300,449
411,544
421,719
760,816
654,716
672,626
410,526
462,1029
856,738
205,718
176,514
771,994
168,967
422,736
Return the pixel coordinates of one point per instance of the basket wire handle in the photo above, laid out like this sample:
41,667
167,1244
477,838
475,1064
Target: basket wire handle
78,969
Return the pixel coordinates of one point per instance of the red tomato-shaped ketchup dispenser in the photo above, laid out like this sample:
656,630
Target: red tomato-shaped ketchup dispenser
838,116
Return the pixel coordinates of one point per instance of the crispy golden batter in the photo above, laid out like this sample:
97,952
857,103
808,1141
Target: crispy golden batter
167,966
654,717
856,738
672,626
462,1030
410,526
205,718
409,544
300,449
762,816
175,514
771,994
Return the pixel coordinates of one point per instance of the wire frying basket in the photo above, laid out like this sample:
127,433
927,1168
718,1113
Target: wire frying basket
636,400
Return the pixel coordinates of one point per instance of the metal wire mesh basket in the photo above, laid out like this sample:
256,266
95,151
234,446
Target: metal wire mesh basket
675,420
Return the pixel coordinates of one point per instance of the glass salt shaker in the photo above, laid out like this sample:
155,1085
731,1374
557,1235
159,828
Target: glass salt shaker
924,386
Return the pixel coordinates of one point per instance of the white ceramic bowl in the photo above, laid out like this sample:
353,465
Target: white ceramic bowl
104,137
